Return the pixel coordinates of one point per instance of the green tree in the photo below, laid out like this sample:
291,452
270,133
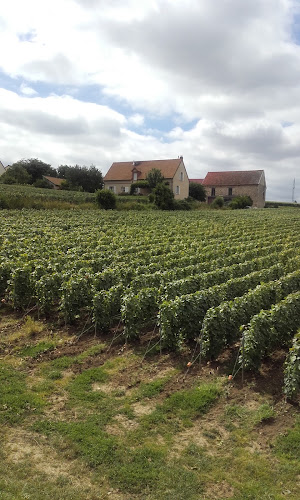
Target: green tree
197,191
163,197
106,199
81,178
16,174
154,177
36,168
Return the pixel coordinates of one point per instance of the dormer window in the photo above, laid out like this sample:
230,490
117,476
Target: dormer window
135,176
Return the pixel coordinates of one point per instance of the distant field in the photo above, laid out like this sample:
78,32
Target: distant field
104,392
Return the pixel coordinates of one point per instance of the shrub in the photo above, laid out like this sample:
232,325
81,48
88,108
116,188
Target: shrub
218,202
42,183
241,202
182,205
106,199
163,197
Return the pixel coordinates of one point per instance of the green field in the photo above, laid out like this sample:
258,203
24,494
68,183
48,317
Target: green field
118,332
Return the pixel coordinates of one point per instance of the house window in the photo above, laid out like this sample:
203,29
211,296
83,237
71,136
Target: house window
229,191
111,188
135,176
177,190
213,191
181,176
126,189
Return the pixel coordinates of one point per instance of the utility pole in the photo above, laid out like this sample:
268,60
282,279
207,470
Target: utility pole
293,192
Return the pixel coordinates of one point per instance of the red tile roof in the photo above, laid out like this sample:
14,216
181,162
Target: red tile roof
122,171
233,178
197,181
54,180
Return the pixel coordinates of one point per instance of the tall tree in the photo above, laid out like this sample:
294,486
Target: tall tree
16,175
84,178
36,168
154,177
197,191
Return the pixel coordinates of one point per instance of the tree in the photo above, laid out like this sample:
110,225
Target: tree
154,177
163,197
16,174
106,199
197,191
84,178
36,168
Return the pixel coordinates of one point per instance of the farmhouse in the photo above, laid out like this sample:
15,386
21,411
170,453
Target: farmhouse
121,175
236,183
55,182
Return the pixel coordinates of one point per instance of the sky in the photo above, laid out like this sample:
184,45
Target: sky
91,82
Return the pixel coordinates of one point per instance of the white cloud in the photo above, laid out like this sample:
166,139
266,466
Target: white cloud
26,90
232,68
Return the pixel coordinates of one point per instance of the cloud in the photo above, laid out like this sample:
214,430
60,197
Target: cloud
229,69
26,90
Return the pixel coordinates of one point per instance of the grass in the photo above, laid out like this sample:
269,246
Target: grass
34,351
16,400
288,445
97,424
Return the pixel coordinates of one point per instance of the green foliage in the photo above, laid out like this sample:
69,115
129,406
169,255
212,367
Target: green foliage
16,174
273,328
218,202
221,324
241,202
163,197
34,169
106,199
21,287
182,205
154,177
197,191
106,306
42,183
292,369
18,197
139,184
81,178
137,310
102,268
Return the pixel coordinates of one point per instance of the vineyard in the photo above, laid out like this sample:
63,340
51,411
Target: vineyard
197,280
